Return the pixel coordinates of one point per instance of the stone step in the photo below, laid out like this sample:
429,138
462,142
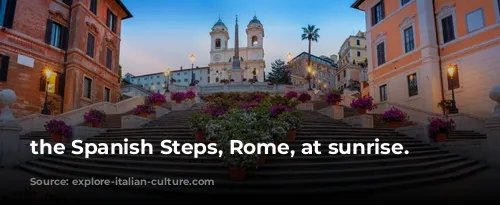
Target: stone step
140,129
298,141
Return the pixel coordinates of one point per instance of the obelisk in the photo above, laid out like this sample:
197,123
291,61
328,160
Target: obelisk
236,70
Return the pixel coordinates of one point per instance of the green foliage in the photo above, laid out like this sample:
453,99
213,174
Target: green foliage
197,122
310,33
291,120
280,73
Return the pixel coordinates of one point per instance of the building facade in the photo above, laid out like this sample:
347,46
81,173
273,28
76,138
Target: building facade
411,43
155,82
78,41
352,62
250,61
323,71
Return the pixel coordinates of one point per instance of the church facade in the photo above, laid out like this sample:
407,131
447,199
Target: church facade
237,63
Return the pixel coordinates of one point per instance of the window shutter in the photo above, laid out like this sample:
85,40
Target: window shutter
10,11
114,23
60,83
108,17
4,67
373,16
65,38
48,31
109,58
43,83
382,8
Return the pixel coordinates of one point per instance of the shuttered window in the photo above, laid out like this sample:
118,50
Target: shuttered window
4,67
381,53
90,45
7,12
412,85
111,21
109,59
378,13
56,35
93,6
87,87
448,29
107,93
409,39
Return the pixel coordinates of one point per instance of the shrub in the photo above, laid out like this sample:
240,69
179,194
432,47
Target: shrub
178,96
291,95
156,98
333,98
278,109
197,122
190,94
94,116
440,125
148,109
394,115
58,127
304,97
363,103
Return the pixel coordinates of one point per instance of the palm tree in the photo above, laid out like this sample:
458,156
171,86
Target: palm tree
311,34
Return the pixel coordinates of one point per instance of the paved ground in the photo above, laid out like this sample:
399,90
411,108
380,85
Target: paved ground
485,185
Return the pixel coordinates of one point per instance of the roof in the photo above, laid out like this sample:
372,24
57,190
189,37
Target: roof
120,3
254,20
326,61
219,23
197,68
357,3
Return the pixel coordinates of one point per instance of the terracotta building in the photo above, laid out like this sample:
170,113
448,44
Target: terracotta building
322,71
352,62
78,41
412,43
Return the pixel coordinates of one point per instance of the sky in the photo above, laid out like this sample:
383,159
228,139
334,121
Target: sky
163,33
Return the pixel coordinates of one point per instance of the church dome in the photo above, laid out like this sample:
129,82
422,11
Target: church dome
254,20
219,24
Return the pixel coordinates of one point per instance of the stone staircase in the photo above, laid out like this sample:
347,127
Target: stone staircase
281,175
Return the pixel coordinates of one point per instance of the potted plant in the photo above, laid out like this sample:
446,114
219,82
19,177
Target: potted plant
224,81
277,110
446,104
292,123
304,97
178,97
238,163
156,99
190,94
244,80
363,104
231,80
144,110
393,117
333,98
290,95
58,130
252,81
94,118
439,128
197,123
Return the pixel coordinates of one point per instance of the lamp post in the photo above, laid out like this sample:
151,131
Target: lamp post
192,57
166,73
289,55
45,110
309,76
451,71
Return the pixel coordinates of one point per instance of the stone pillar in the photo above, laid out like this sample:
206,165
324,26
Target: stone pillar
492,126
9,132
338,112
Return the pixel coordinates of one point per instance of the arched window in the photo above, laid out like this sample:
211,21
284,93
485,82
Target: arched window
217,43
254,40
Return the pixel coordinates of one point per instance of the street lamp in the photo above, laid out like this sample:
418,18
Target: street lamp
451,71
192,58
289,55
48,73
309,76
166,73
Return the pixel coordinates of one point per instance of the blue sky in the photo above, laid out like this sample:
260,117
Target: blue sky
163,33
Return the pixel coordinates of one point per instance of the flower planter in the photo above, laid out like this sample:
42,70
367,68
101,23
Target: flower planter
96,124
262,159
143,114
178,101
335,103
199,136
362,111
394,124
237,173
157,104
290,136
440,137
56,137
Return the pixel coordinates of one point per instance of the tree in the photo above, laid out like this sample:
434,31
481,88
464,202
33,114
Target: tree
119,73
311,34
280,73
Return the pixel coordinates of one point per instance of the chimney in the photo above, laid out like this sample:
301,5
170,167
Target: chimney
181,67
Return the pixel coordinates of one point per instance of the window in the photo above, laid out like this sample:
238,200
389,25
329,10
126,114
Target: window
217,43
498,5
404,2
381,53
454,83
409,39
448,29
111,21
208,79
7,10
93,6
378,13
358,53
109,58
87,87
412,85
344,73
358,42
56,35
107,93
185,80
254,40
67,2
90,45
51,83
216,79
475,20
383,93
4,67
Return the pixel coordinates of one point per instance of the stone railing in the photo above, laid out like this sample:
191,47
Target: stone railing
36,122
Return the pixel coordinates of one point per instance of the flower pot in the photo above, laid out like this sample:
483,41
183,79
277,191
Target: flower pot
440,137
290,136
178,101
393,124
96,124
237,173
262,159
157,103
362,111
199,135
143,114
335,103
56,137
